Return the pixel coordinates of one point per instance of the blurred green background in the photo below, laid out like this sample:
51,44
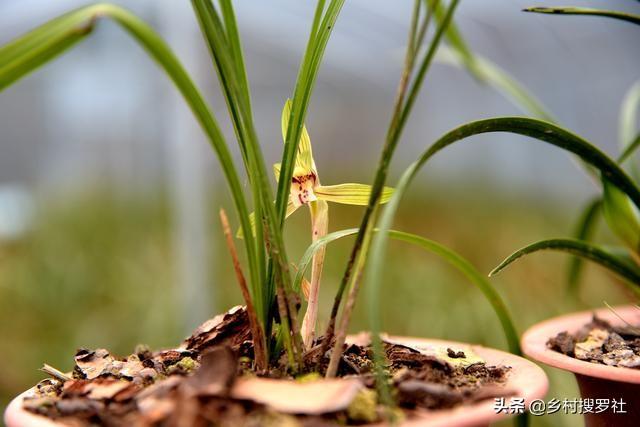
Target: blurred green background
96,270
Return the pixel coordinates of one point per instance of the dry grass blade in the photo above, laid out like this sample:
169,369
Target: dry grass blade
53,372
259,345
615,313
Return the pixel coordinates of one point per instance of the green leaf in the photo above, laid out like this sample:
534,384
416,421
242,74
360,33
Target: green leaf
635,19
227,65
621,215
350,193
626,270
584,231
312,249
631,148
628,127
323,24
235,47
448,255
540,131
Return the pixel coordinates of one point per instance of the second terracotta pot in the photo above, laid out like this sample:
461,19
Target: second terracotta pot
599,382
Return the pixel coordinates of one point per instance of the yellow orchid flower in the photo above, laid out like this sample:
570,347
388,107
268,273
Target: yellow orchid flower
306,189
305,183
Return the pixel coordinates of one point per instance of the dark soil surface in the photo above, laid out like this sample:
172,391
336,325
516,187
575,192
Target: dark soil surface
208,380
600,342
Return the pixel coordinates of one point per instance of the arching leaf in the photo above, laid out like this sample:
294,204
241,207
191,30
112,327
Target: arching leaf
629,17
623,268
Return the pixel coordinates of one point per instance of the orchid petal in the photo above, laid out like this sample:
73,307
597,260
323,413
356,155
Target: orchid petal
304,159
297,171
276,170
350,194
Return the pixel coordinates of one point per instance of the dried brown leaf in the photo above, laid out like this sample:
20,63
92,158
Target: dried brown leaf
92,364
230,329
292,397
107,388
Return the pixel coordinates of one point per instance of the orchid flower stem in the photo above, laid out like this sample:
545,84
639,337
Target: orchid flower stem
319,227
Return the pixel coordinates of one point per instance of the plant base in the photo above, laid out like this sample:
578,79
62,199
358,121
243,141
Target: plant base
181,391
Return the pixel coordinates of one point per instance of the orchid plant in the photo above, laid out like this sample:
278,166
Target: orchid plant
307,190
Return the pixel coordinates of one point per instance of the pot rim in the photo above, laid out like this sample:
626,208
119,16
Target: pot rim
526,379
534,343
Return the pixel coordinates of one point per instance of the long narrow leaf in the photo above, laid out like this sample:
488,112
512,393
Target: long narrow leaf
621,215
36,37
631,148
584,231
27,53
227,66
626,270
318,39
628,126
233,37
541,131
448,255
629,17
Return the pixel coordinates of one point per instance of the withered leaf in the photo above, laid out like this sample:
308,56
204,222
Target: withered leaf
106,388
92,364
292,397
230,329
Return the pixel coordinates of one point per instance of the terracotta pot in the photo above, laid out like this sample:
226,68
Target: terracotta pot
595,381
525,379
